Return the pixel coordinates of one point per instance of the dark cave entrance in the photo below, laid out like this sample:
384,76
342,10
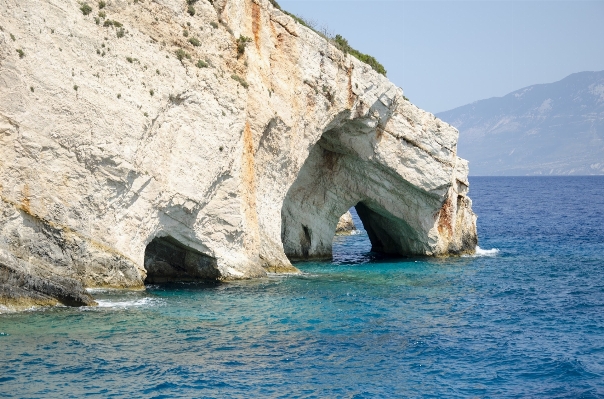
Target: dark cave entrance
168,260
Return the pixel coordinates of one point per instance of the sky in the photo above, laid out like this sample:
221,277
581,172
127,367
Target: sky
445,54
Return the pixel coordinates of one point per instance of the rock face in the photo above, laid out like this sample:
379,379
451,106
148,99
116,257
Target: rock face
122,156
345,224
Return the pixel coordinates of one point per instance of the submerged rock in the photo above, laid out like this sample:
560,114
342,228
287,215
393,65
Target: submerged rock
244,153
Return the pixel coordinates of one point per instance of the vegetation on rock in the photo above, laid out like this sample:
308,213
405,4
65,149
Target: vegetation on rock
340,42
343,45
241,43
85,8
182,54
240,80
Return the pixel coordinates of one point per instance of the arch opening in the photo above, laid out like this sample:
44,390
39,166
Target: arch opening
167,260
388,235
340,173
351,243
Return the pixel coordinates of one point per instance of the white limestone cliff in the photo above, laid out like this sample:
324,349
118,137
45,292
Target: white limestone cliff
109,144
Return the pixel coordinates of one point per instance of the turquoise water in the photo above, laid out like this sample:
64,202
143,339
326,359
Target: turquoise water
524,321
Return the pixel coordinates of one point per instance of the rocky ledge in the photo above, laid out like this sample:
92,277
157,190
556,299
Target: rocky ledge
149,140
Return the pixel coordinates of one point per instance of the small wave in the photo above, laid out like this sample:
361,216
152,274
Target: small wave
486,252
283,275
33,308
105,303
102,290
5,309
96,290
349,233
290,275
483,252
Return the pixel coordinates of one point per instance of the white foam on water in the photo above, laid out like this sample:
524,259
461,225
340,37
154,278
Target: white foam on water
94,290
33,308
6,309
283,275
106,303
484,252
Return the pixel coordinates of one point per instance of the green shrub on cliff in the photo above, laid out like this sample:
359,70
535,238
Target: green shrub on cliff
182,54
85,8
190,8
240,80
241,43
343,45
338,41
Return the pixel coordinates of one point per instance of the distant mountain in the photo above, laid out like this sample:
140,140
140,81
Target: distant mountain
545,129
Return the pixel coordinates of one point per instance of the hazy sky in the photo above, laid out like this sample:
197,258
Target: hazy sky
445,54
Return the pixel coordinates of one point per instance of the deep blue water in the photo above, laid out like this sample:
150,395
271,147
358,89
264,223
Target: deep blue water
527,321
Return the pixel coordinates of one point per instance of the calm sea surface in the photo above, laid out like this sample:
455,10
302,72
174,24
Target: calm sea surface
525,318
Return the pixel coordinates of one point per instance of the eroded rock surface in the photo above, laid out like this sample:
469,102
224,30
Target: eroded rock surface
109,141
345,224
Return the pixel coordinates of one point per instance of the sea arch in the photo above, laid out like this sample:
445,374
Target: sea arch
343,170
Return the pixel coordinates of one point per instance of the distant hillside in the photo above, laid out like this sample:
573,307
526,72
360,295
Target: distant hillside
544,129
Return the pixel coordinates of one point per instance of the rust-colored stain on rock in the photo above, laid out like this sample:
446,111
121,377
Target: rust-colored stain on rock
249,175
25,202
256,24
445,219
351,95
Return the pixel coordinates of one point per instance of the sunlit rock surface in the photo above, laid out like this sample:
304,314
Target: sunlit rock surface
108,143
345,224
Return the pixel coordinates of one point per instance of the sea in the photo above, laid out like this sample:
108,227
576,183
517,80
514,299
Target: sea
522,318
